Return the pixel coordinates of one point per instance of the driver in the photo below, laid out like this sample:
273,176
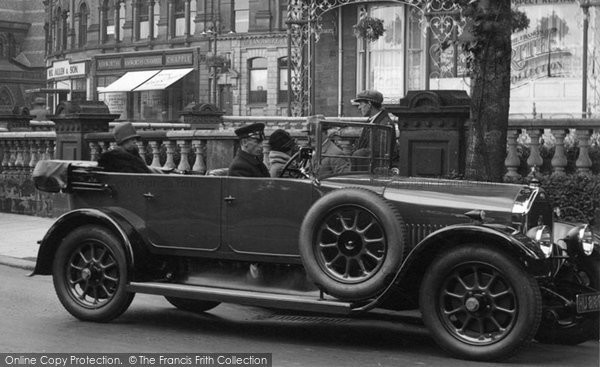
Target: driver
282,147
248,160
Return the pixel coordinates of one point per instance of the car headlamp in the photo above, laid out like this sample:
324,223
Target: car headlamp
581,240
542,236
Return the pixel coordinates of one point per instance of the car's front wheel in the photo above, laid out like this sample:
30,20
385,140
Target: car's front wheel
192,305
90,274
479,303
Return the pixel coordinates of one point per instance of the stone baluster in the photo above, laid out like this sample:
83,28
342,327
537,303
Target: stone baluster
33,156
41,152
184,148
4,148
142,150
170,163
13,155
94,151
559,160
583,163
155,153
512,161
535,159
200,150
49,149
20,158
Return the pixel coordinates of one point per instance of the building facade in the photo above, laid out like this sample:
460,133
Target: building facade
21,52
148,59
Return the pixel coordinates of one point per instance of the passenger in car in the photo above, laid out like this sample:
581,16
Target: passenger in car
369,103
331,162
125,157
248,160
282,147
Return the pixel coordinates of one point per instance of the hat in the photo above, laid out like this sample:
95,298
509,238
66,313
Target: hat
280,140
255,131
124,131
369,96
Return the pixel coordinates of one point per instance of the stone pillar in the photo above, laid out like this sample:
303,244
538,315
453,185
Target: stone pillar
219,153
18,120
73,121
431,124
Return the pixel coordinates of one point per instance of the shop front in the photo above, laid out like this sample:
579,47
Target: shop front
66,81
152,87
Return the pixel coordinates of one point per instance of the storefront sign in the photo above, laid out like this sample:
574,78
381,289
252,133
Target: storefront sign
108,64
65,69
541,2
179,59
135,62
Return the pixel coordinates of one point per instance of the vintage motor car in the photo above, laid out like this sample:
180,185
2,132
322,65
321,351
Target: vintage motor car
488,265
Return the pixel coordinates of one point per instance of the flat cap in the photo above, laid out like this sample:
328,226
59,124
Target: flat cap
255,131
369,96
124,131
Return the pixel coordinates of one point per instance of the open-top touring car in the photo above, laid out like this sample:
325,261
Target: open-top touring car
487,264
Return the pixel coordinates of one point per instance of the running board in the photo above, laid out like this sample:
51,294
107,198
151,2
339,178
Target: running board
308,303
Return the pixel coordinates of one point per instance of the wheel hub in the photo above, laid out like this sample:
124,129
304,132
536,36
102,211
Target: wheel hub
350,243
472,304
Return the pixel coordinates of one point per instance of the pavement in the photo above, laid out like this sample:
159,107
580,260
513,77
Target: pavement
19,236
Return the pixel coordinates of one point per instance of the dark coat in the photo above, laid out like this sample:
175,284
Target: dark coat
119,160
363,142
247,165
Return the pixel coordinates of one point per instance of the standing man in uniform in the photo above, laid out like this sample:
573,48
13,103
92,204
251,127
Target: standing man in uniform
248,160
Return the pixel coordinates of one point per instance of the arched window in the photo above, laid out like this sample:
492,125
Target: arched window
83,24
257,86
282,91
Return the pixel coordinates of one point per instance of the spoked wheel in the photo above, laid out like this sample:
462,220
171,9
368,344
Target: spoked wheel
90,274
479,304
351,243
192,305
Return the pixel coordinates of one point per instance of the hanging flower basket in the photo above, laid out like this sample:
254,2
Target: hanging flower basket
369,28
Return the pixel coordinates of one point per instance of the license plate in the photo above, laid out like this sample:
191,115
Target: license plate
589,302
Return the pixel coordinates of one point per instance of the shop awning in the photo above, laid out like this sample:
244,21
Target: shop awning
163,79
129,81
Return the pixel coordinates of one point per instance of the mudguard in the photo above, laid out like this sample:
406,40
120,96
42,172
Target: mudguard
124,224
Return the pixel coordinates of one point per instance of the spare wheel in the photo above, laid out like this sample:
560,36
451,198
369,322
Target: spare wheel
352,243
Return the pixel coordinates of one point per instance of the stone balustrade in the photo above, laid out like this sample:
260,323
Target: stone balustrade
555,133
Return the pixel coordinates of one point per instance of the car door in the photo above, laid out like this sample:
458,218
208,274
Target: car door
183,212
263,215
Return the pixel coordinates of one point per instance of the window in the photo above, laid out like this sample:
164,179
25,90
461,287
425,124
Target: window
193,12
385,57
65,28
179,18
59,29
242,15
282,92
121,7
83,24
283,10
257,70
415,70
143,20
156,17
109,20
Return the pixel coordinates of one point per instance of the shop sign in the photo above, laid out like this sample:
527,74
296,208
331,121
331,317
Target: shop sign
179,59
541,2
135,62
108,64
65,69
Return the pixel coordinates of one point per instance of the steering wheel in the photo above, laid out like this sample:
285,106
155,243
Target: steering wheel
295,167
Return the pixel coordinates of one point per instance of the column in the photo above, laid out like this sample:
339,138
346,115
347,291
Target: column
117,21
187,18
151,20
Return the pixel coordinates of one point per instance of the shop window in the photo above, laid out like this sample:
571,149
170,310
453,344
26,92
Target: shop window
257,70
84,15
241,12
282,92
179,18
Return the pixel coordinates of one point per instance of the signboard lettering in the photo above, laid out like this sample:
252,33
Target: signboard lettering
64,68
104,64
179,59
133,62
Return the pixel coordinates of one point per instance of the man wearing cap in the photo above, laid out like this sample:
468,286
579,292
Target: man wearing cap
125,157
248,160
370,105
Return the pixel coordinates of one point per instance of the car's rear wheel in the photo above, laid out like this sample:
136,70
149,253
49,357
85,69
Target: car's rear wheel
90,274
352,243
192,305
479,303
561,324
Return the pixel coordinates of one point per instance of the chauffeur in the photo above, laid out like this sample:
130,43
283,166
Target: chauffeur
248,160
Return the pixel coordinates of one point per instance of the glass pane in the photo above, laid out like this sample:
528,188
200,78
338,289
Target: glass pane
258,63
242,20
179,26
258,80
386,55
144,31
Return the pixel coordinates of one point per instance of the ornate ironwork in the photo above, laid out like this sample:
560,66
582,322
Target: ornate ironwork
442,17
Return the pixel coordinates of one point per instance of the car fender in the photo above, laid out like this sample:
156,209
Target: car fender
408,278
118,221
